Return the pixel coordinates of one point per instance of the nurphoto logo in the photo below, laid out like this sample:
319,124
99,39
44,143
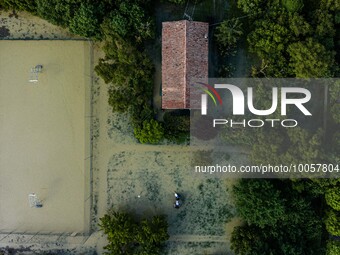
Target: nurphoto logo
289,96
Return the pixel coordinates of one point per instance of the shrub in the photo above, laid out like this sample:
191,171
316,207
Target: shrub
176,127
151,131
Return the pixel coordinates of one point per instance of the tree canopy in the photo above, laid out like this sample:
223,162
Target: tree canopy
278,219
310,59
129,236
263,209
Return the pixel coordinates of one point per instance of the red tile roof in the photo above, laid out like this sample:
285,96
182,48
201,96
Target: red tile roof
184,57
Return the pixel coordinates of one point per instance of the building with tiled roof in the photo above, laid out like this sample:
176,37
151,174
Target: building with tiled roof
184,59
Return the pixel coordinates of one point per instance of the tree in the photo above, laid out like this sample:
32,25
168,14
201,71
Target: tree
21,5
333,5
228,33
120,229
253,6
120,100
332,222
324,27
298,234
333,247
105,70
248,240
258,202
85,21
332,197
268,147
151,131
128,236
303,147
334,93
129,73
128,69
293,6
58,12
269,40
309,59
152,231
128,20
298,25
141,112
294,229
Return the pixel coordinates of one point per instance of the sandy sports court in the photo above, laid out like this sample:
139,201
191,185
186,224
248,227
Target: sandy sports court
45,136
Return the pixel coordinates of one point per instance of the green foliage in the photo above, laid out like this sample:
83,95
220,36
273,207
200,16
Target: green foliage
246,240
140,113
58,12
150,132
21,5
310,59
293,226
332,197
85,21
129,72
129,21
228,33
333,5
279,146
253,6
334,93
258,202
153,231
240,136
293,5
105,70
279,34
177,1
332,222
333,248
128,236
176,127
269,38
269,41
298,25
268,147
304,147
128,69
324,32
252,240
